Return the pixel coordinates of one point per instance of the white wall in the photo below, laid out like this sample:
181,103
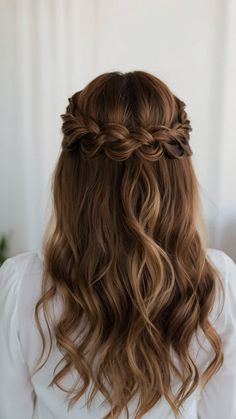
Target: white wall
52,48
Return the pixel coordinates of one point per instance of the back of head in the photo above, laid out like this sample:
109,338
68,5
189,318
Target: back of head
123,248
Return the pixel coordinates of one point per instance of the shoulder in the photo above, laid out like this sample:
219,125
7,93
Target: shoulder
221,260
21,262
225,266
223,313
17,269
18,278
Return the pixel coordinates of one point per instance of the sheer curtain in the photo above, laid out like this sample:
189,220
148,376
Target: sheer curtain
52,48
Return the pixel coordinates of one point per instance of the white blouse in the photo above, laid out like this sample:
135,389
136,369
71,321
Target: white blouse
20,345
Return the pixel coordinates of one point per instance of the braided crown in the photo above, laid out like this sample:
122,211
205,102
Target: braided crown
119,142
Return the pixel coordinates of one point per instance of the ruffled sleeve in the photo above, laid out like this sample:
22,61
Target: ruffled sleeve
16,391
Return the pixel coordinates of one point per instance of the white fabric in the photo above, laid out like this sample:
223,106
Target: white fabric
20,344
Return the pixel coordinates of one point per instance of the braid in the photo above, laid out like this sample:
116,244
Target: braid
119,142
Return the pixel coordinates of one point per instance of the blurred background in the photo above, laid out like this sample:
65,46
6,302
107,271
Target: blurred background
53,48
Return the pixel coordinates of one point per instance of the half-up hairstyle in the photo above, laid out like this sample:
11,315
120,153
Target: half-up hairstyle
123,251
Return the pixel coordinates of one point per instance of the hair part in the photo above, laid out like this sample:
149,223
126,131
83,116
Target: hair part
122,248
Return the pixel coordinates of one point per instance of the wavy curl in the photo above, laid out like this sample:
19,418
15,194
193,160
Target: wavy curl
123,250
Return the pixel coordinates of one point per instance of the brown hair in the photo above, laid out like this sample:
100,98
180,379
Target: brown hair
123,249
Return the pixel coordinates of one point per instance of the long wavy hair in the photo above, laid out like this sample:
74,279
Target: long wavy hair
123,248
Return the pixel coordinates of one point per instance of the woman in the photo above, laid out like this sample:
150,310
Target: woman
125,312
